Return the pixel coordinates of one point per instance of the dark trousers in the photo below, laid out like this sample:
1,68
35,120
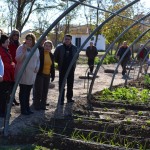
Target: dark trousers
70,82
91,64
5,91
24,97
41,90
123,65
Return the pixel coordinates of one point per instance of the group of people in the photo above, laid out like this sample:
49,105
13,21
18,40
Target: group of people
39,72
125,52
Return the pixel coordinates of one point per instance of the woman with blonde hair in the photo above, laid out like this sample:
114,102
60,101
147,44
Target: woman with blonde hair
28,77
44,74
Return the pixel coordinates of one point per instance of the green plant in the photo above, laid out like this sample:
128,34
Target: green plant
148,122
122,111
96,60
50,133
110,59
140,113
128,120
147,79
79,120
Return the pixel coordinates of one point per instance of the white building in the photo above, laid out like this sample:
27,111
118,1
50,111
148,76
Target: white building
78,40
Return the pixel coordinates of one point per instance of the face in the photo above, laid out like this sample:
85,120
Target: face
91,43
67,40
125,44
47,47
29,42
15,36
5,45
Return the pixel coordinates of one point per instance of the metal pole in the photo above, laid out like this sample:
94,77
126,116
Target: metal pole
89,37
109,48
139,37
26,62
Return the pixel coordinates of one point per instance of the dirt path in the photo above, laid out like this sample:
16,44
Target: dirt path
18,122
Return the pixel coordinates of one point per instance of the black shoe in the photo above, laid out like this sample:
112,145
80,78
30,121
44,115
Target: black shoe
16,103
25,113
70,101
47,104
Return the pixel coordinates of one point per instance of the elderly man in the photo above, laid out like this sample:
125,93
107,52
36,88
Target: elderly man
91,53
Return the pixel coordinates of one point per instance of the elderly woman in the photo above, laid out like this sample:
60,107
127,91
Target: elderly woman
28,77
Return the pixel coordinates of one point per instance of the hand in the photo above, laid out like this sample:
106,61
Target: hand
24,48
13,64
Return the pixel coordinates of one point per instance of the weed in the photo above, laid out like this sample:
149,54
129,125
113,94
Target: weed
122,111
148,122
140,113
128,121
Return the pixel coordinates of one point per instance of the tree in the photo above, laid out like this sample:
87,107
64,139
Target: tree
21,10
118,24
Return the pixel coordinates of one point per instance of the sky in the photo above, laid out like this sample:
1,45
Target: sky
145,2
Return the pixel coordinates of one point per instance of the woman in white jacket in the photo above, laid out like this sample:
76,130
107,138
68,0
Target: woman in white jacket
28,77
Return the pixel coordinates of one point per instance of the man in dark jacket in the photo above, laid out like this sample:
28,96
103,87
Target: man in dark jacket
126,58
63,56
91,53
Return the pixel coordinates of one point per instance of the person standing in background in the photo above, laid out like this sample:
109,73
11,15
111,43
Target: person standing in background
143,53
13,45
8,78
126,58
46,71
28,78
91,53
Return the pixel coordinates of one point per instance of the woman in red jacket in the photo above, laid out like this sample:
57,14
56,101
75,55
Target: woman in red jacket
13,45
8,78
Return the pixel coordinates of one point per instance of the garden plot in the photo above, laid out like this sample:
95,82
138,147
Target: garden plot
114,123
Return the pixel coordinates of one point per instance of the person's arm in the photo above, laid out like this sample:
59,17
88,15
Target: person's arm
1,69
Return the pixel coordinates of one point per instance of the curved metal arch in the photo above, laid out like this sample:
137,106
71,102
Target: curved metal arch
140,36
108,11
6,123
107,51
135,59
76,55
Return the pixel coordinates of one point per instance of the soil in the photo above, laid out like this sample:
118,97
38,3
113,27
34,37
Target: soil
105,125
